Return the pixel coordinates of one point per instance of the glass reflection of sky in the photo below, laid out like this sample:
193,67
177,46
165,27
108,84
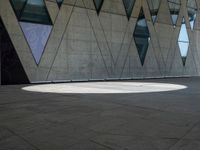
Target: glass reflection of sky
154,7
192,20
183,40
174,18
184,48
174,6
192,11
183,36
142,22
35,2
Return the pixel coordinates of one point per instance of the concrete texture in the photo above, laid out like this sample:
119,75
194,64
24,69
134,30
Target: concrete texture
132,121
85,46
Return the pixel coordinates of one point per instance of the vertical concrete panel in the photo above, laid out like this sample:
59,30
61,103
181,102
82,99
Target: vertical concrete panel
54,42
151,68
53,9
190,67
176,67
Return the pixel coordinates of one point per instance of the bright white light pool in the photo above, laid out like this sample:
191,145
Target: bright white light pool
104,87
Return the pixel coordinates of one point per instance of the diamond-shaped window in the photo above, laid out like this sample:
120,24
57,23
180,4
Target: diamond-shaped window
98,4
183,41
174,6
192,12
141,36
129,4
154,8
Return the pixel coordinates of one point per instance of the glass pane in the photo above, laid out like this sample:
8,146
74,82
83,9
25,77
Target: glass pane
36,36
184,48
192,11
59,2
129,4
183,41
141,36
174,6
35,11
18,6
98,4
154,7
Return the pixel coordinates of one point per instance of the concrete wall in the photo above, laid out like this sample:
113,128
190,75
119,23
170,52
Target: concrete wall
85,46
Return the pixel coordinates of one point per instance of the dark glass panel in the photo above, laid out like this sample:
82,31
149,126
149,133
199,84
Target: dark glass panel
174,6
59,2
18,6
154,7
35,11
98,4
141,36
129,4
12,71
192,12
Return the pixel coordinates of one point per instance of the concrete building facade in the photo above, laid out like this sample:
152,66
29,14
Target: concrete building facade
85,42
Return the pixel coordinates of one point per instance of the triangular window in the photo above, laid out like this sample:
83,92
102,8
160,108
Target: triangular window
98,4
129,4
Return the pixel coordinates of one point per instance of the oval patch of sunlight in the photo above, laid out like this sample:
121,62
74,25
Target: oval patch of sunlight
104,87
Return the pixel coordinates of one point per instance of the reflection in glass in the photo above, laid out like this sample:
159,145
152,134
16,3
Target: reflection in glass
129,4
154,7
192,12
141,36
98,4
59,2
31,11
183,41
18,6
35,11
174,6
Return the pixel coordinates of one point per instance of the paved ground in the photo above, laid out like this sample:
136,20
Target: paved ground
130,121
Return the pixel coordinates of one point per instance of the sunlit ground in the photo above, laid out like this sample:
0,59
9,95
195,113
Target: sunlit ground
104,87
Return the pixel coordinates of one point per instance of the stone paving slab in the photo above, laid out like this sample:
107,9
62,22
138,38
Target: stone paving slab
145,121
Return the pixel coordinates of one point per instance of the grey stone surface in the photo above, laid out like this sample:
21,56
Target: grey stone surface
132,121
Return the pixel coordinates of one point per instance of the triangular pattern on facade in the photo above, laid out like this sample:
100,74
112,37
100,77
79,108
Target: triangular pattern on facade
98,4
128,5
154,6
192,12
141,36
174,8
183,41
35,23
12,71
37,36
